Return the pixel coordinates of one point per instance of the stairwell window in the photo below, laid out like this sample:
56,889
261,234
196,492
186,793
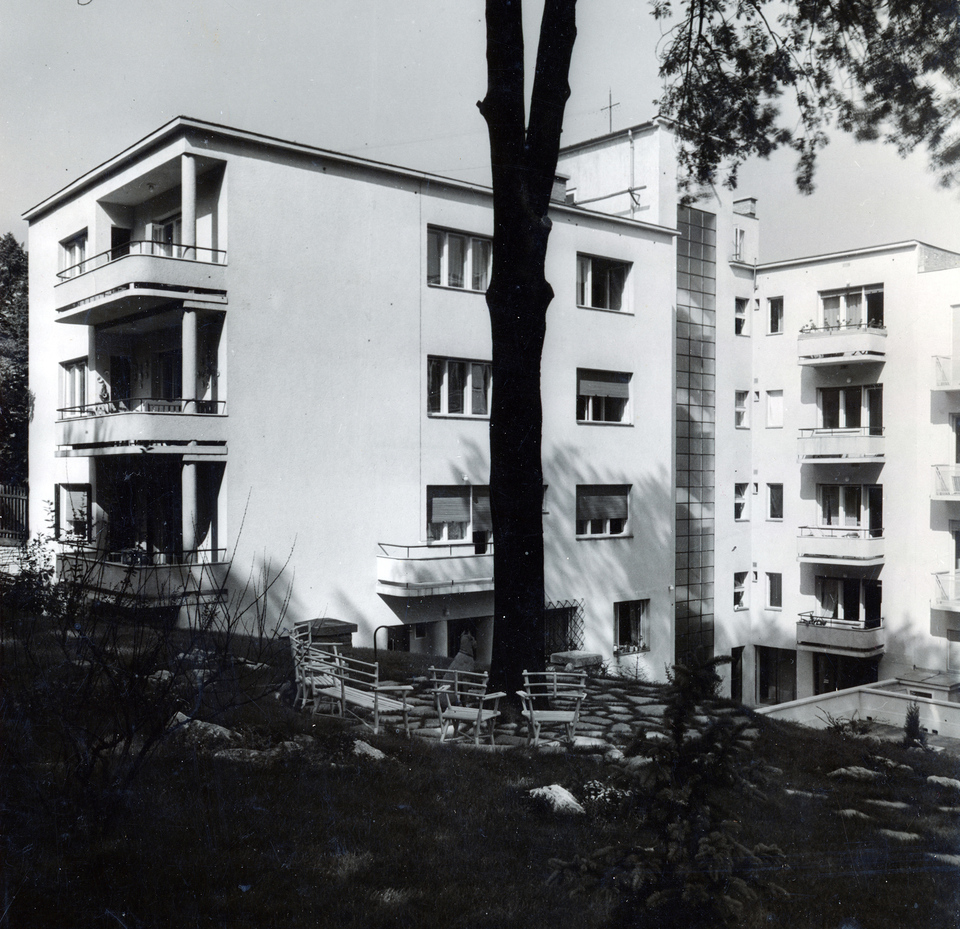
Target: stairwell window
740,498
740,590
603,396
460,513
628,618
774,591
458,387
601,282
774,501
458,260
775,315
741,419
774,409
73,254
740,316
602,509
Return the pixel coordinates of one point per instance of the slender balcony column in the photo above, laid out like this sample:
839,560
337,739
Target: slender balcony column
188,489
188,205
90,396
188,351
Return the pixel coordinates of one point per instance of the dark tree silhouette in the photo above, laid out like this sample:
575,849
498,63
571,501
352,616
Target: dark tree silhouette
15,397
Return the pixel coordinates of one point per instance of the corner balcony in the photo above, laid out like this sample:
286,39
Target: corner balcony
840,637
137,278
841,545
846,343
841,446
946,374
151,425
946,591
433,570
139,578
946,482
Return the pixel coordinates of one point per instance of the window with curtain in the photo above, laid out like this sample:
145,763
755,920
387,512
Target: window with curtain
602,509
458,260
603,396
458,387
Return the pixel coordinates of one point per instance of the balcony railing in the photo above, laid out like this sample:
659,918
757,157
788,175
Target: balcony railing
864,639
841,445
946,482
843,343
433,569
852,545
946,590
145,247
144,405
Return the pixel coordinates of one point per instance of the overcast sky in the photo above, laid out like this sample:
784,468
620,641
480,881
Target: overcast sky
394,80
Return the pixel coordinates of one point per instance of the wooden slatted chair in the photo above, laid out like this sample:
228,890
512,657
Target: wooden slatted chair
461,697
552,698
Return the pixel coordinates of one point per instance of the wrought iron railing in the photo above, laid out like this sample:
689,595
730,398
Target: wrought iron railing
145,247
811,618
851,326
135,557
841,532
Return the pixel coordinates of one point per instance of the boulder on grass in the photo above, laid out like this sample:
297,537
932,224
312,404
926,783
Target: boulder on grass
558,798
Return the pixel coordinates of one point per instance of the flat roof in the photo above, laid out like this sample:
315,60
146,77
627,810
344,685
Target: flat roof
852,253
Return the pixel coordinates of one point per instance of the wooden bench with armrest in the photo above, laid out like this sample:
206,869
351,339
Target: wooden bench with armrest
461,697
552,698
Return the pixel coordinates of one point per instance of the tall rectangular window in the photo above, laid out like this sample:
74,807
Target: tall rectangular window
73,255
458,260
740,400
740,316
740,590
851,506
602,509
775,315
628,619
775,501
73,387
740,499
775,591
776,675
71,512
739,237
603,396
601,282
774,409
458,387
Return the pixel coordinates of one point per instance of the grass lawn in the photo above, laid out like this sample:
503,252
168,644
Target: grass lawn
442,836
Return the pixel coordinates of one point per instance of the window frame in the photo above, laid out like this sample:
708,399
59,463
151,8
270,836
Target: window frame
602,526
740,600
774,417
774,587
593,404
743,499
844,306
587,267
444,393
73,386
635,621
73,254
477,259
477,528
741,308
775,316
59,532
770,499
741,409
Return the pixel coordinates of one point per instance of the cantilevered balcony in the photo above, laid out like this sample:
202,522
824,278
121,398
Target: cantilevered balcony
148,424
841,446
846,343
840,637
842,545
946,373
946,591
431,570
137,277
140,578
946,482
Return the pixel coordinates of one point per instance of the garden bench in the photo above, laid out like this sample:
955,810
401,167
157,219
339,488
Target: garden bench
552,698
347,682
461,697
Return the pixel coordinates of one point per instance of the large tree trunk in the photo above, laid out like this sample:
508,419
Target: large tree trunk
523,162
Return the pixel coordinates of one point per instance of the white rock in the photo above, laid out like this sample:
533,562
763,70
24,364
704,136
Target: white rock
559,798
953,860
944,781
855,773
899,836
367,751
853,814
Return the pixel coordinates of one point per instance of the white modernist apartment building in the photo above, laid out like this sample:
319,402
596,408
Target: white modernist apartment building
252,353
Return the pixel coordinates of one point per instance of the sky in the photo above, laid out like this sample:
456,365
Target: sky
392,80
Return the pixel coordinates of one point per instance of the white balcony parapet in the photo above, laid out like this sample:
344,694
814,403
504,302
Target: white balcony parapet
946,591
863,639
847,545
434,569
945,373
864,444
847,343
946,482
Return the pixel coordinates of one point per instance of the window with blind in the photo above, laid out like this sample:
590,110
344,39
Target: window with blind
603,396
460,513
459,260
601,282
602,509
458,387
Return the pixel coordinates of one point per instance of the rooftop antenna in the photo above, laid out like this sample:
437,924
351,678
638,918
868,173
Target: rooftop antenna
609,107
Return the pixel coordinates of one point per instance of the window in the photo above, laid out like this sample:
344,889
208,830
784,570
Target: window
774,409
628,617
851,506
775,501
740,316
776,675
455,259
458,513
740,590
852,309
775,312
739,235
740,502
741,420
849,599
458,388
602,396
166,236
851,407
71,512
602,509
73,387
73,254
774,591
601,282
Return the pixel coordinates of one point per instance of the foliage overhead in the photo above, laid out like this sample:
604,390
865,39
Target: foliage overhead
885,70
